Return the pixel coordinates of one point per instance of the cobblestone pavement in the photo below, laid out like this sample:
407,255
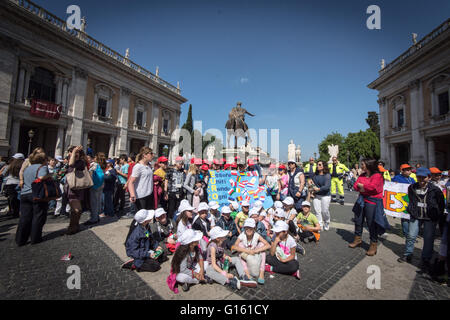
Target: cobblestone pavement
329,269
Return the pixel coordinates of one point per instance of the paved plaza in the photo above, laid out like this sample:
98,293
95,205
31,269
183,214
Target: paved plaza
329,269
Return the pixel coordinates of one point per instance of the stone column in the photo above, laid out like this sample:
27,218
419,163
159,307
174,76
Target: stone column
85,141
431,153
122,145
155,127
79,85
15,132
59,148
111,146
65,88
21,84
384,126
393,157
8,75
418,141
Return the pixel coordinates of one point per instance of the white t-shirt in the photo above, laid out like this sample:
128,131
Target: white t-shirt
252,244
287,245
182,228
144,180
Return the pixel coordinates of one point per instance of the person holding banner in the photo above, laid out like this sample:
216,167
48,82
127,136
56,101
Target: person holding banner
404,177
426,207
369,205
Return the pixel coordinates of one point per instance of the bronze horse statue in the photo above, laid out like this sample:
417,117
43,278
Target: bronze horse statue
236,124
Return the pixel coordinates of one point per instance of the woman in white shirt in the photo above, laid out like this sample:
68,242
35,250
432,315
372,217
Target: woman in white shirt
140,185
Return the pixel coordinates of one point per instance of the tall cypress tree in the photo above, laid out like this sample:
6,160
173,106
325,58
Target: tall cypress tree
189,126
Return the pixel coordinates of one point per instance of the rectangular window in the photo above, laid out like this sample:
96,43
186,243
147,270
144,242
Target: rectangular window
443,103
400,118
139,118
42,85
101,110
166,127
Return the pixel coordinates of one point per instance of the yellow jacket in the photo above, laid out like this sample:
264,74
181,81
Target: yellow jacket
386,176
413,175
340,168
306,168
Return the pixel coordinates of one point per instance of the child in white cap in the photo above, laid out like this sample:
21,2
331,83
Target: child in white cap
226,223
217,260
163,231
251,243
260,227
242,216
145,251
282,256
202,224
184,218
214,213
234,207
187,262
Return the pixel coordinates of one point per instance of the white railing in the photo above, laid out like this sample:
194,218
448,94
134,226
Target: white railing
417,47
91,42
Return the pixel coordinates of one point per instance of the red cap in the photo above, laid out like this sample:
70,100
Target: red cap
198,161
162,160
192,160
177,159
250,163
272,166
435,170
204,167
404,166
227,165
233,165
282,167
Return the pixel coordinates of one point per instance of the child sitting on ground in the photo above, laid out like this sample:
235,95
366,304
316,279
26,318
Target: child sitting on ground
308,223
226,223
163,230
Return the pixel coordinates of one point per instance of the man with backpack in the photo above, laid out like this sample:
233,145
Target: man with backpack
173,186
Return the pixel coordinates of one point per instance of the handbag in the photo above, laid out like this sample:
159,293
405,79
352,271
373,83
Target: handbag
45,190
78,180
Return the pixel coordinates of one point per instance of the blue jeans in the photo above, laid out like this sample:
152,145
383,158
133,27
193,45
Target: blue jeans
429,228
405,227
108,203
367,214
96,203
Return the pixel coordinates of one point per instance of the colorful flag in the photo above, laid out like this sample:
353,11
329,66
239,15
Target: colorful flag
241,185
234,173
239,198
230,192
262,198
247,198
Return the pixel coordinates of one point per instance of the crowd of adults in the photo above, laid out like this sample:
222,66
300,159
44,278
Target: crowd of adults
172,215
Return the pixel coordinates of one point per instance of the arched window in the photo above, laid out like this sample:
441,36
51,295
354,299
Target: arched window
42,85
399,113
140,115
166,123
103,101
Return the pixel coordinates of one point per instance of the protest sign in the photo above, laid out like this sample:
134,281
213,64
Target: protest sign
237,186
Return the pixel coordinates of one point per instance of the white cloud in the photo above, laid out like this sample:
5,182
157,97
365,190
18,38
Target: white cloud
244,80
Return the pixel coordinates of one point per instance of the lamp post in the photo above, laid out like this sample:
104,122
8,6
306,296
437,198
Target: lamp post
30,135
315,155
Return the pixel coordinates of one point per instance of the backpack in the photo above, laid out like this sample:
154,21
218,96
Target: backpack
98,177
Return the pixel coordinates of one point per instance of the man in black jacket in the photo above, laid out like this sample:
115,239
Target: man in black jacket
426,206
227,223
173,187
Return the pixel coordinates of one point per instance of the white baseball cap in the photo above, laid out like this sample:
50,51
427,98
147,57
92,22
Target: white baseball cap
59,158
288,201
213,205
203,206
234,204
249,223
280,226
306,203
263,213
253,211
190,236
159,212
258,204
225,210
278,204
141,216
279,212
245,204
18,156
150,215
217,232
185,206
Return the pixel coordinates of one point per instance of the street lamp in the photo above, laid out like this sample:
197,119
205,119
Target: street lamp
315,155
30,135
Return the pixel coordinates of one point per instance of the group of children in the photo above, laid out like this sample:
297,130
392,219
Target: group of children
259,241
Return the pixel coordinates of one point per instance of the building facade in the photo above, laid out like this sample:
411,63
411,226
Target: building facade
413,96
61,87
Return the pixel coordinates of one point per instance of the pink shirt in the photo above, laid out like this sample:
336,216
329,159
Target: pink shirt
373,186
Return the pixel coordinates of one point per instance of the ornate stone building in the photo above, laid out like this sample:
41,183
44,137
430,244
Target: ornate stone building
70,89
413,95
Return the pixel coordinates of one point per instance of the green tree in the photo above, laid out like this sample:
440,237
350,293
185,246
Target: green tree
373,122
189,124
336,139
362,144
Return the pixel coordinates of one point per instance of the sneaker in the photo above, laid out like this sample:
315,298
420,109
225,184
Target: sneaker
90,223
127,216
326,227
405,259
234,283
300,249
297,275
268,268
246,282
261,281
185,287
341,202
128,265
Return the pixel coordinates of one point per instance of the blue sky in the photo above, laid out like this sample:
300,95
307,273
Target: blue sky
300,66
